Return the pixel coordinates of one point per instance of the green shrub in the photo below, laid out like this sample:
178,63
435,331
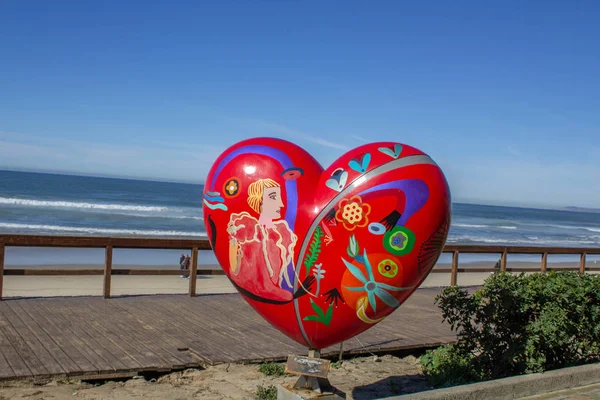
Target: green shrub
272,369
517,324
266,393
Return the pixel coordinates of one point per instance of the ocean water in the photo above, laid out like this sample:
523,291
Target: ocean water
33,203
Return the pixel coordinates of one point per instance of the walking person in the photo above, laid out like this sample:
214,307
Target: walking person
186,265
182,264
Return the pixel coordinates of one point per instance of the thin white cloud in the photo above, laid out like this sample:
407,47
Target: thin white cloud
360,139
148,161
514,152
288,132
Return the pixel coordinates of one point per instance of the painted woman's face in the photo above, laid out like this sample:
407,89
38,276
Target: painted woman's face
272,203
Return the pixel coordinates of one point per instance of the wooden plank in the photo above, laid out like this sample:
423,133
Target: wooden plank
238,320
102,242
478,249
202,331
482,270
5,369
148,340
21,346
160,322
2,253
544,262
503,261
73,330
32,329
120,271
202,327
204,244
16,366
522,269
52,272
107,271
221,328
582,263
83,324
454,276
62,338
194,272
106,323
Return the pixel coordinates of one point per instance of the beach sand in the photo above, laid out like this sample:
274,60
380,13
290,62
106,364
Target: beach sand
44,286
359,378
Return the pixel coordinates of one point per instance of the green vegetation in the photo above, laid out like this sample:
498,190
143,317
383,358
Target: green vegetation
266,393
517,324
272,369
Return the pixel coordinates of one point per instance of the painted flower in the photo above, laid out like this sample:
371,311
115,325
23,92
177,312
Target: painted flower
399,241
232,187
373,288
353,213
292,173
388,268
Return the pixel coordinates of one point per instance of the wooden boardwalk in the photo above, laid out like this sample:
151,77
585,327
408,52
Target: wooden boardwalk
93,337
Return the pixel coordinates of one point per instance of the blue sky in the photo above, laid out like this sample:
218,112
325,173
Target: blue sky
504,95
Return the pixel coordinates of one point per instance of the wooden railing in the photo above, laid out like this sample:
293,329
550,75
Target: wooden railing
109,244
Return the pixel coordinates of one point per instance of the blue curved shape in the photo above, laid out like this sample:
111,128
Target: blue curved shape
291,189
284,161
416,192
219,206
217,199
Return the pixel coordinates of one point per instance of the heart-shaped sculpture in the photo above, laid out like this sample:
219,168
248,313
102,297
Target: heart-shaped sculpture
324,255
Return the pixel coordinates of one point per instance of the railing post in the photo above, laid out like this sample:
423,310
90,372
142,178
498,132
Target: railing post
582,263
193,272
544,262
503,261
107,270
1,268
454,275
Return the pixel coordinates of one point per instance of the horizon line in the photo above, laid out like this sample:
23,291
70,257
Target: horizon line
159,180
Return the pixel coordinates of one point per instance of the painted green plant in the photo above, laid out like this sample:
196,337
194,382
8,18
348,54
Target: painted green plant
371,286
322,317
353,249
314,249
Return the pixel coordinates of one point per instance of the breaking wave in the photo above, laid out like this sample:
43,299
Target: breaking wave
78,205
99,231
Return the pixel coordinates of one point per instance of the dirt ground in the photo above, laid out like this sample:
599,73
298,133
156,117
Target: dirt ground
360,378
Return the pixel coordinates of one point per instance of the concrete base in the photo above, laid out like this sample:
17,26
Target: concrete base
515,387
288,392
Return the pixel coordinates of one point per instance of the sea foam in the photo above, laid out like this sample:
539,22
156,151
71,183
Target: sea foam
83,205
100,231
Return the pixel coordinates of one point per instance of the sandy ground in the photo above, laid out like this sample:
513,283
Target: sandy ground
359,378
44,286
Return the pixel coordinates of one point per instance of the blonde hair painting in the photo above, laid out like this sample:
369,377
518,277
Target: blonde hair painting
256,190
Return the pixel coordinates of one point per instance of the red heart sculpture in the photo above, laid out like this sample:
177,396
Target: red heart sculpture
324,255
